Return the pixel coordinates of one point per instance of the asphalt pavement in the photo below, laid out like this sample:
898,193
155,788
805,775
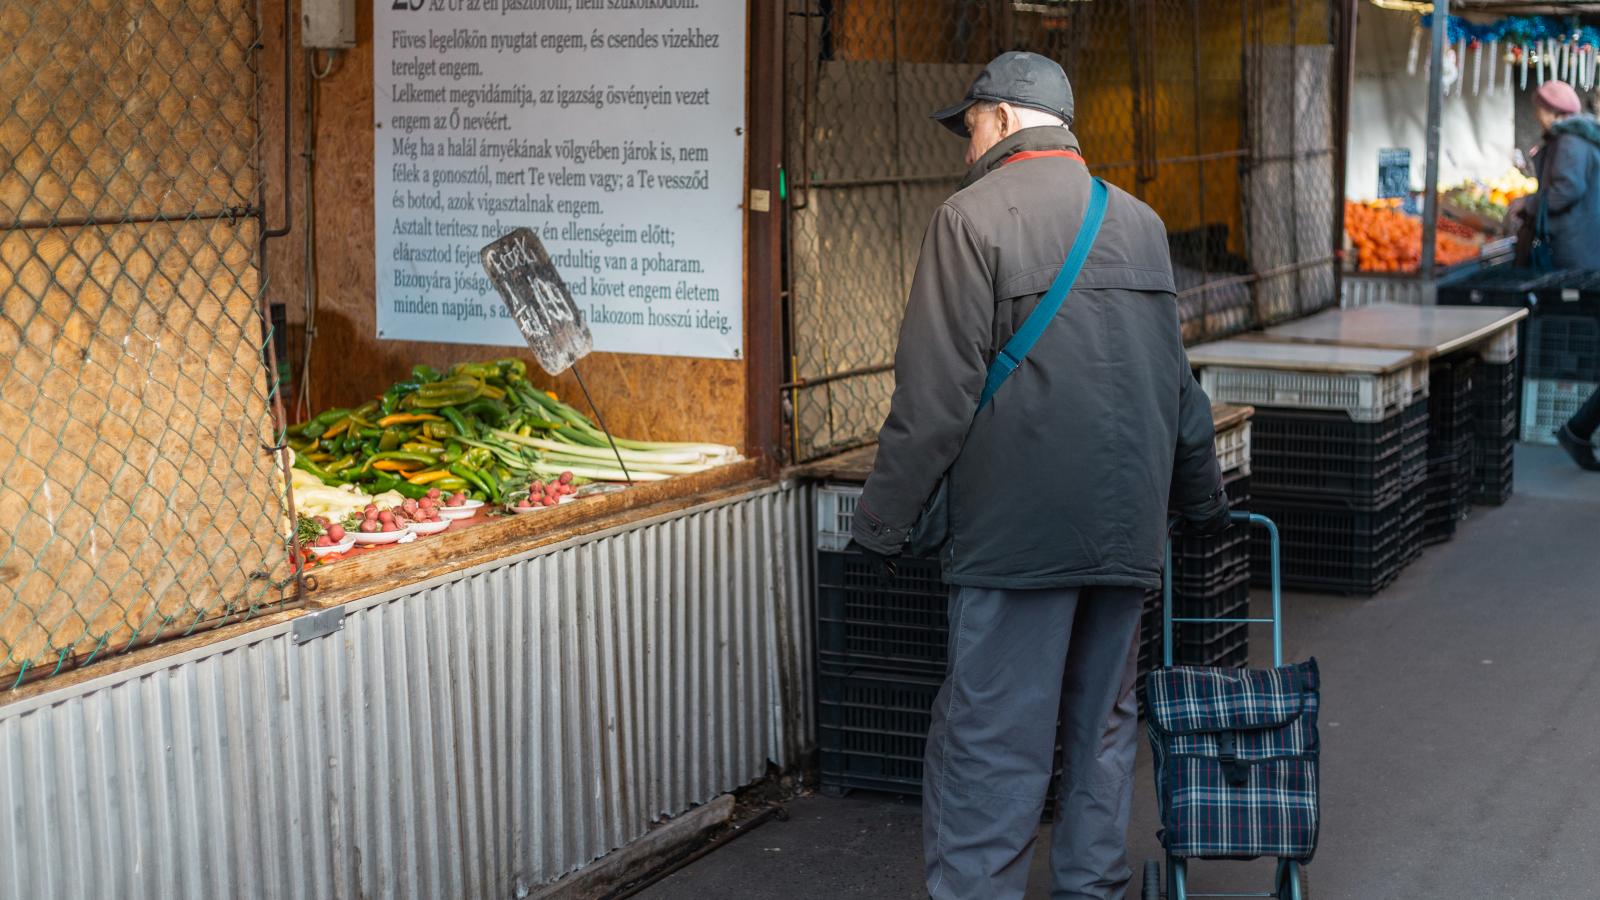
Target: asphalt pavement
1460,730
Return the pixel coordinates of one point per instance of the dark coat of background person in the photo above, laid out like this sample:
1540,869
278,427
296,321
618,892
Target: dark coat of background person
1569,181
1065,478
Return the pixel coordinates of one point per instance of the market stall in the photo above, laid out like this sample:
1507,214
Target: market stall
1440,150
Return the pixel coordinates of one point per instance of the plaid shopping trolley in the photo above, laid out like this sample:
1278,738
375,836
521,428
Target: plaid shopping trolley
1236,756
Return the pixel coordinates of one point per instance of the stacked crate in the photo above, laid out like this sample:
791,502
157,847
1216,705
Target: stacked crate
1452,435
1495,420
1561,370
1339,462
882,648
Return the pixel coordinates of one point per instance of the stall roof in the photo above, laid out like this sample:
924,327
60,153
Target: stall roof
1248,353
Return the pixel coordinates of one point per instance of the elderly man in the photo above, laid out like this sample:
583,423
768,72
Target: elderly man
1058,490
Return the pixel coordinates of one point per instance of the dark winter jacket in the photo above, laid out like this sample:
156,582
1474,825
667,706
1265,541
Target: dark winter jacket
1065,478
1569,182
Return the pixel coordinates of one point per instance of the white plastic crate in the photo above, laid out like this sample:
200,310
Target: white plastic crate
836,510
1547,405
1233,449
1501,348
1365,397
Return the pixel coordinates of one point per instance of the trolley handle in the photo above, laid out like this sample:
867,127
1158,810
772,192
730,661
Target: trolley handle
1277,592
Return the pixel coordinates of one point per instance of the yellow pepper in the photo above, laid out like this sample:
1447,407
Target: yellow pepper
408,418
394,465
429,477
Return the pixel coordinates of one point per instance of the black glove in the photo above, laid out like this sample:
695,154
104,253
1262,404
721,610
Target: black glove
1219,521
882,566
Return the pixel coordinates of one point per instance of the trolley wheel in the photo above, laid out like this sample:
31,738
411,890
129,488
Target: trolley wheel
1293,884
1152,880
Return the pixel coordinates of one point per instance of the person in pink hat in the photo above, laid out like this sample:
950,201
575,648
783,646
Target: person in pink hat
1565,224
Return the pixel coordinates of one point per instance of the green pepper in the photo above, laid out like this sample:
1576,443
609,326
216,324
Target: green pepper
331,416
451,453
439,430
463,470
512,369
390,439
437,401
296,430
413,491
423,374
340,465
446,485
454,416
306,465
493,410
370,432
419,447
476,370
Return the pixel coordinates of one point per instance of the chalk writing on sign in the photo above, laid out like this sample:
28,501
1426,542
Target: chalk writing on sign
538,300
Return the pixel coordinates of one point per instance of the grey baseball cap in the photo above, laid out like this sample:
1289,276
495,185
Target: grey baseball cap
1017,78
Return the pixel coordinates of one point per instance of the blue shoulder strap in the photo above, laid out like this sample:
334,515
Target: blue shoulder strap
1016,349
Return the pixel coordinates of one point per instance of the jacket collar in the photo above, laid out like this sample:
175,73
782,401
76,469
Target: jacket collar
1041,137
1586,127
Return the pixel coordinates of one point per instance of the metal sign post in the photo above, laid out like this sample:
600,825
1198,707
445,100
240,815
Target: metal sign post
1430,181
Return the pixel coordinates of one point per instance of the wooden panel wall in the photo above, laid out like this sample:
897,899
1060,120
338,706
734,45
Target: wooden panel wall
646,397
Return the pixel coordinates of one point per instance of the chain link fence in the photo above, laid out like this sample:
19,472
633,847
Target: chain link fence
139,499
1218,113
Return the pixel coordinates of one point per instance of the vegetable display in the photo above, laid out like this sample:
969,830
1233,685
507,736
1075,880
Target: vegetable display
1387,240
480,430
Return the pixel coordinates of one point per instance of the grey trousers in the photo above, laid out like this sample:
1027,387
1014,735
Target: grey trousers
1019,659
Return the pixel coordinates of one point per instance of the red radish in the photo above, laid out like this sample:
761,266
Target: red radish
433,493
566,477
458,499
551,501
409,505
323,541
523,503
336,533
369,527
323,521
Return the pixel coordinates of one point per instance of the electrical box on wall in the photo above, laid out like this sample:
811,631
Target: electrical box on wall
328,24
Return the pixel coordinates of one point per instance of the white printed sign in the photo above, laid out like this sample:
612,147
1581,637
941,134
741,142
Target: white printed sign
611,128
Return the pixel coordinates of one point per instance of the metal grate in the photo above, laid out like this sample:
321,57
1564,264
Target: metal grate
1187,103
137,494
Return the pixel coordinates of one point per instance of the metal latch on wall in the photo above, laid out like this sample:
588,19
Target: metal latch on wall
319,624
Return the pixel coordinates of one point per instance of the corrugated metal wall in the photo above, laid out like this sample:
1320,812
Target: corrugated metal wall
475,737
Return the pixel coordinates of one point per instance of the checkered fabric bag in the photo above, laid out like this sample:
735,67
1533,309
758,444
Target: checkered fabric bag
1235,760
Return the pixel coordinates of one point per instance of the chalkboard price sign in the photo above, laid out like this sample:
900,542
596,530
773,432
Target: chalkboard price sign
538,299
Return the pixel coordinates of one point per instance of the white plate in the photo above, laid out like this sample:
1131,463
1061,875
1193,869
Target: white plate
344,547
383,537
429,527
465,511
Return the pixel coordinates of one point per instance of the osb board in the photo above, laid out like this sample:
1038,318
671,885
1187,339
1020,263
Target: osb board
644,397
134,494
116,107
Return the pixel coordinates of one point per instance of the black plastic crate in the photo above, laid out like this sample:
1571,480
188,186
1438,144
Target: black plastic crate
1448,494
1452,405
1334,548
1325,454
903,625
1563,348
1509,287
872,727
1202,564
1492,470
